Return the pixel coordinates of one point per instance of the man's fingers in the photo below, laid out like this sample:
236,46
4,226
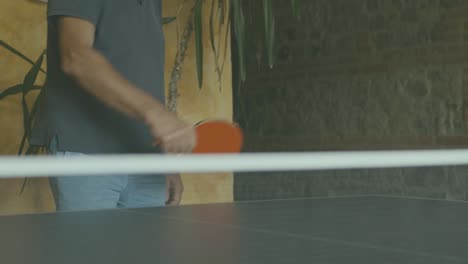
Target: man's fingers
177,147
168,191
176,198
178,134
174,190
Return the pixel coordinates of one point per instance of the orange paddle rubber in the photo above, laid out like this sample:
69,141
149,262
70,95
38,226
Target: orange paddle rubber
218,137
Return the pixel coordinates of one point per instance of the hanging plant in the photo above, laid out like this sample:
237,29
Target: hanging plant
237,18
223,14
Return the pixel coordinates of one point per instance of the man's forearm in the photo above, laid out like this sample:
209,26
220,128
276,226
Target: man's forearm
95,74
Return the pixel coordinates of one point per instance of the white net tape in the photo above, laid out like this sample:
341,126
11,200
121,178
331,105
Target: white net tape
40,166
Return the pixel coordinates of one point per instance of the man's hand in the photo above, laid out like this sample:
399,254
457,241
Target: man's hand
174,190
170,133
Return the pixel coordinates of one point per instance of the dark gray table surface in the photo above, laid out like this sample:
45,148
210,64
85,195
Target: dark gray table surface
352,230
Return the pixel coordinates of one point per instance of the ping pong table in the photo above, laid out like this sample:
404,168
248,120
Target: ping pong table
346,230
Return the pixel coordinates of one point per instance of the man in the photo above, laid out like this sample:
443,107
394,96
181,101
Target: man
104,94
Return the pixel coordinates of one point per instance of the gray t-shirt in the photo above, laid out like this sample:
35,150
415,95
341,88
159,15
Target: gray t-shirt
129,34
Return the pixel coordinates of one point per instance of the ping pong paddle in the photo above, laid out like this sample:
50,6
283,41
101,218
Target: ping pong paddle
216,136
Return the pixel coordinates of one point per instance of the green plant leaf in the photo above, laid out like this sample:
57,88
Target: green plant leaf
17,89
226,39
36,105
226,42
168,20
269,30
239,32
30,117
212,27
26,124
28,83
296,8
31,76
198,27
222,11
12,91
16,52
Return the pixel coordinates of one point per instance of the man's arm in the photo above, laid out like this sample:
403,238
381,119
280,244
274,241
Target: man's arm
94,73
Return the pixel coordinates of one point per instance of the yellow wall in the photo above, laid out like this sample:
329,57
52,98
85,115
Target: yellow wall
195,104
22,24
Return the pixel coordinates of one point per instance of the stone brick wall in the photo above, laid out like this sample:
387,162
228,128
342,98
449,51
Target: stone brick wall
361,74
